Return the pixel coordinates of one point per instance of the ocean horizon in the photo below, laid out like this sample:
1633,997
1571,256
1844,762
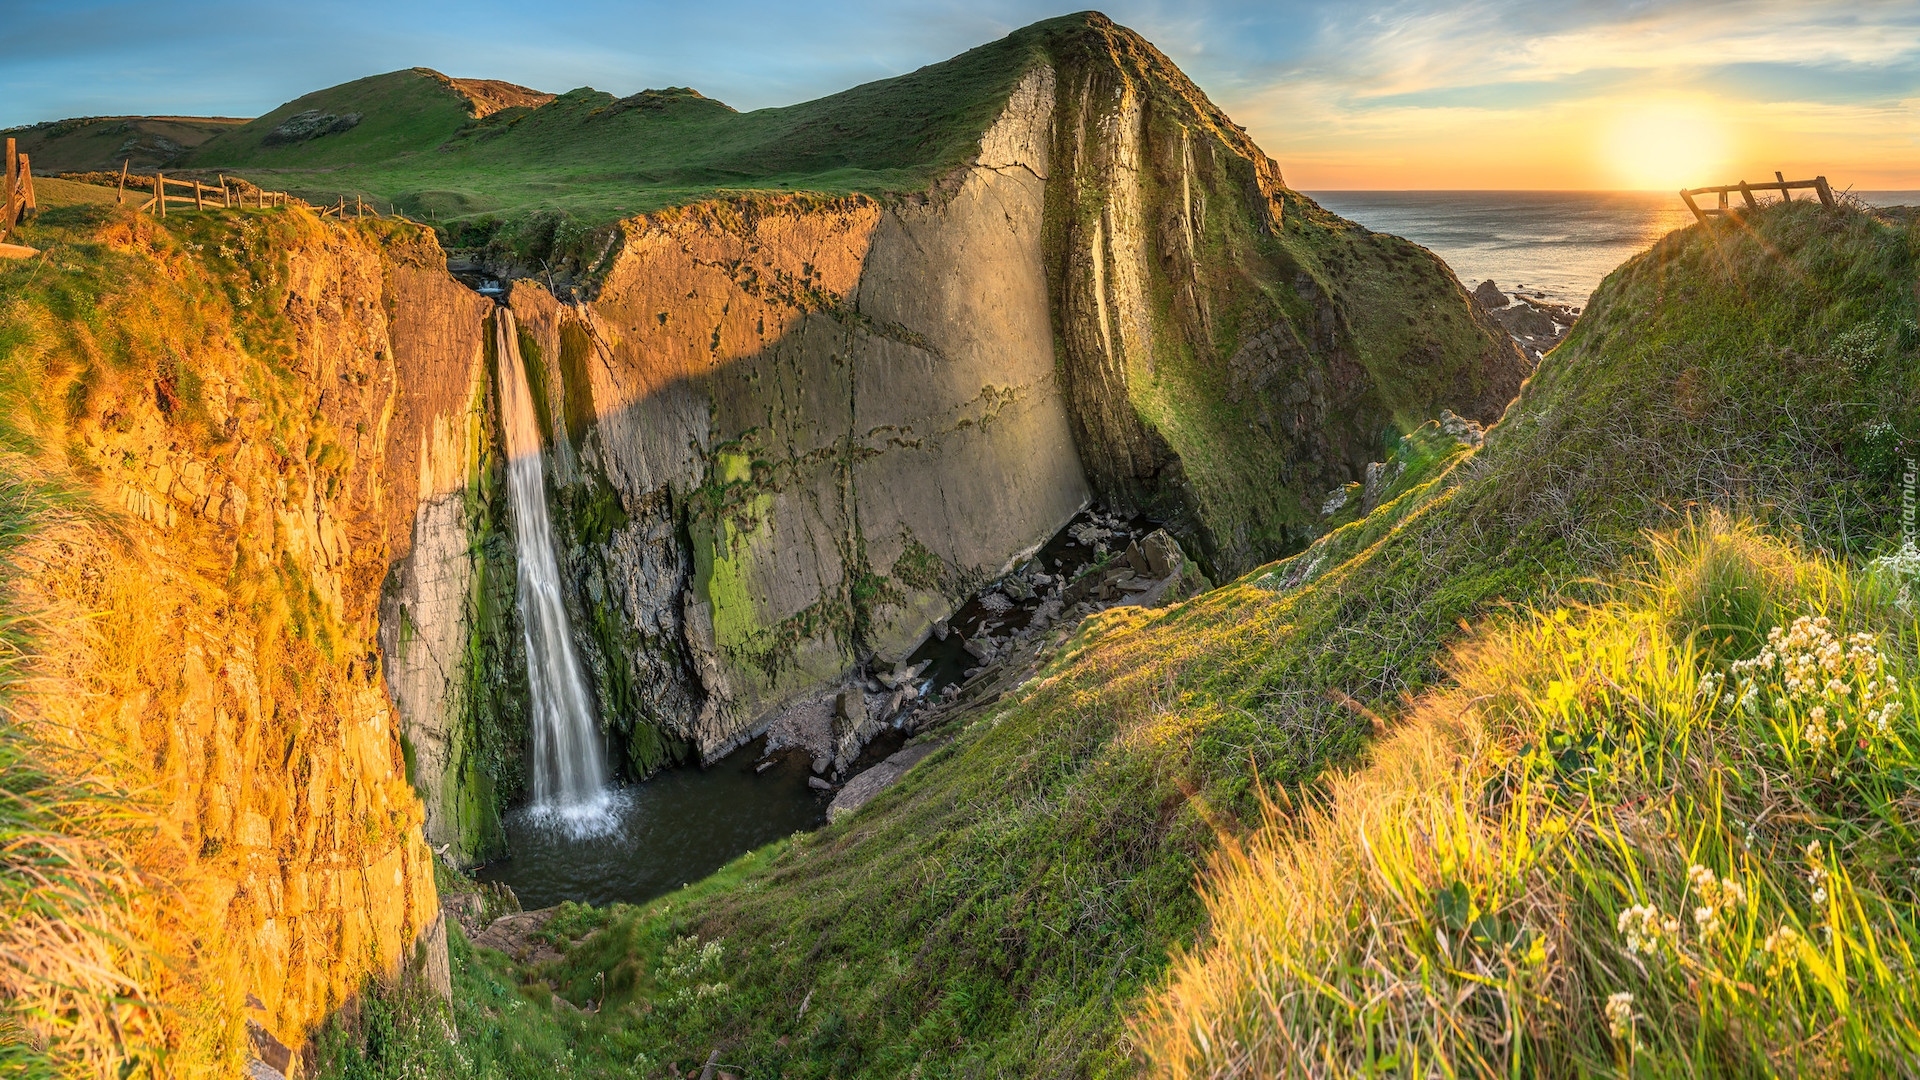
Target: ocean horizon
1555,244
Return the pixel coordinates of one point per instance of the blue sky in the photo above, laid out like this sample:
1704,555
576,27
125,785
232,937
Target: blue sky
1483,93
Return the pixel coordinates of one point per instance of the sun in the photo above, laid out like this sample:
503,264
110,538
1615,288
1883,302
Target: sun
1664,146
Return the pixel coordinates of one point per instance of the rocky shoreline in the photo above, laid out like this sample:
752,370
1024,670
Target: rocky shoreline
1536,323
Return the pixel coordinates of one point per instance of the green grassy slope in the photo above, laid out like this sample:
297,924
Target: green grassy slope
402,113
599,158
1003,911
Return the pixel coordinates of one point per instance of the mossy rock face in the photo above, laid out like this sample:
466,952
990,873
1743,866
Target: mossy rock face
1232,351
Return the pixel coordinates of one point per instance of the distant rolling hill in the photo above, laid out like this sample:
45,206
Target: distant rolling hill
97,143
378,120
417,140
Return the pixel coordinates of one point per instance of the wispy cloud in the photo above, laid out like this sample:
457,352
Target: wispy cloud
1388,93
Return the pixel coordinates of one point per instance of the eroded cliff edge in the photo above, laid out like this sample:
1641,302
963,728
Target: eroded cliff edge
231,420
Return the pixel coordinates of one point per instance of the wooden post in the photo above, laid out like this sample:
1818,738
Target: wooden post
1746,195
1785,195
159,193
7,210
1687,197
122,197
1819,185
199,199
26,179
226,193
1723,200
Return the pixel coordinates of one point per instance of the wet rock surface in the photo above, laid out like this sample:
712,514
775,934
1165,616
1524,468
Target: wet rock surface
861,790
1535,323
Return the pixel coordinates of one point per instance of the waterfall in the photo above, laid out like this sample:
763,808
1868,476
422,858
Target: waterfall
566,770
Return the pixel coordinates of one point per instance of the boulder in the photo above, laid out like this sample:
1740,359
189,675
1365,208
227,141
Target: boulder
1489,296
1162,554
861,789
1466,431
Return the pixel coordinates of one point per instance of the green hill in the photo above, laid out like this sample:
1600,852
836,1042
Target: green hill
599,158
105,143
377,119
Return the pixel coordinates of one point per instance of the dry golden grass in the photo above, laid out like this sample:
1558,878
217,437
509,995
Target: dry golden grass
1453,907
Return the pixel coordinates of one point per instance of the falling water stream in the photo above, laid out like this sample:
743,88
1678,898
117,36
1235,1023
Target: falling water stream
567,773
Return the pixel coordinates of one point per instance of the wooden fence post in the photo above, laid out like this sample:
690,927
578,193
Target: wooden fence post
1785,195
1819,185
1746,196
6,213
26,178
199,200
1687,197
159,194
121,198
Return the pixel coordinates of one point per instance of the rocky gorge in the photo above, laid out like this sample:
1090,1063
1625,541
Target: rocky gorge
776,421
804,449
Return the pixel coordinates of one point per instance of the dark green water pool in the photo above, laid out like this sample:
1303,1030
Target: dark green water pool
676,828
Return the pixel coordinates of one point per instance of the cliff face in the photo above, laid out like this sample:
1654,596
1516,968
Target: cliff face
446,612
791,432
243,412
1231,351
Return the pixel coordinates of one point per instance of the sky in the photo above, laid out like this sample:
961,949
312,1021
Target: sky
1422,94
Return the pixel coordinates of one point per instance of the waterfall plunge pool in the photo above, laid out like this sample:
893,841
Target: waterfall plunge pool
674,829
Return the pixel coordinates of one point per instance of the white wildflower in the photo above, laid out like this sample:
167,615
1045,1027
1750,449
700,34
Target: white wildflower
1643,926
1718,897
1620,1014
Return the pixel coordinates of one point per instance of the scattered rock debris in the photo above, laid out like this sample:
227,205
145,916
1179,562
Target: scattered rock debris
1535,322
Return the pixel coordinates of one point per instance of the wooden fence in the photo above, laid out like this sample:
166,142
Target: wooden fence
19,200
225,197
220,196
1786,188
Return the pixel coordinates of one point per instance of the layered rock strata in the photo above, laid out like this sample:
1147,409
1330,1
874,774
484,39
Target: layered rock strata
790,433
208,634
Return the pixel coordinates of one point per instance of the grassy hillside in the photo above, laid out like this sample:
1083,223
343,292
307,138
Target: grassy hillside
378,119
1014,906
102,143
599,158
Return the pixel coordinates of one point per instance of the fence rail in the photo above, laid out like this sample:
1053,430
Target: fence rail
222,196
19,200
1786,188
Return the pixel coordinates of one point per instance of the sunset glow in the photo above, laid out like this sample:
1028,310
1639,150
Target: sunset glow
1664,145
1496,94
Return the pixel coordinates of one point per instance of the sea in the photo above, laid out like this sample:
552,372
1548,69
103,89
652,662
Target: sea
1558,245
